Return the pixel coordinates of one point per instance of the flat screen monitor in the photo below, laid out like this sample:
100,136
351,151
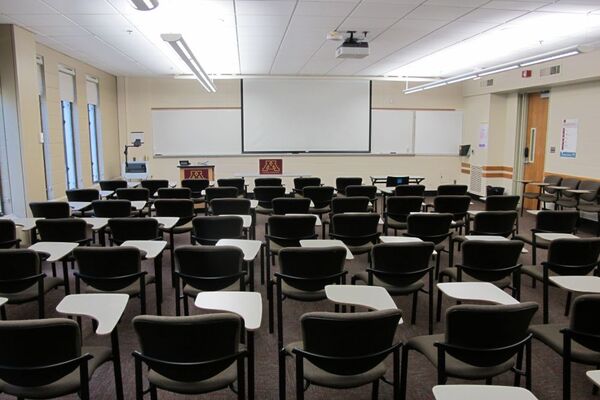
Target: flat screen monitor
464,150
393,181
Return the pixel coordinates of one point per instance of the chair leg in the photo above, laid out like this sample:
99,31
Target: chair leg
437,266
270,301
177,299
299,378
439,304
528,365
568,303
430,304
545,301
519,368
403,373
281,374
375,390
172,245
139,384
153,392
566,368
3,313
413,317
114,338
186,306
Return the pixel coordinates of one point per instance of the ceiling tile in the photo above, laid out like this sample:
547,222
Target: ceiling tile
382,10
25,7
440,13
37,20
81,7
515,5
492,15
325,8
572,7
266,7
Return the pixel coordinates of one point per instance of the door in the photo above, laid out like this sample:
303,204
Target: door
535,142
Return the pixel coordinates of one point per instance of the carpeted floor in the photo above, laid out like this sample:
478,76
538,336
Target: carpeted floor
547,367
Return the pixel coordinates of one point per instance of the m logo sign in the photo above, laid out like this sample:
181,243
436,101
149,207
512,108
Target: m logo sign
270,166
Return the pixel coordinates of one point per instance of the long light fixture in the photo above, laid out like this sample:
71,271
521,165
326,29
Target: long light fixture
525,62
181,48
144,5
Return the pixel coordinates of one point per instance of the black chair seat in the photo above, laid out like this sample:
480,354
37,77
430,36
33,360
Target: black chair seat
362,249
541,243
392,223
531,195
319,210
550,335
454,367
187,227
263,210
589,207
548,197
567,202
193,292
302,295
68,384
217,382
393,290
452,273
31,293
131,290
321,377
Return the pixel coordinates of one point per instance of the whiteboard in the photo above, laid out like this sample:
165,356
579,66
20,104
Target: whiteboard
306,115
191,132
438,132
392,131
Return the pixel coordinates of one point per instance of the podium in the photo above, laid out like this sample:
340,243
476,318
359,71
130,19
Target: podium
197,172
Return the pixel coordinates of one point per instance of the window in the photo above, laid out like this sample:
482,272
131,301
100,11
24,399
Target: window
69,140
94,125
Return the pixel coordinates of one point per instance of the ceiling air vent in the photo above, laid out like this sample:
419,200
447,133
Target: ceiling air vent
486,83
553,70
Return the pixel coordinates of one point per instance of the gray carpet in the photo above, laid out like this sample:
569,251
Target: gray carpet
547,368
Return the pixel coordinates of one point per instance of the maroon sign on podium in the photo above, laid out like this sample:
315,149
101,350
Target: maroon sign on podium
270,166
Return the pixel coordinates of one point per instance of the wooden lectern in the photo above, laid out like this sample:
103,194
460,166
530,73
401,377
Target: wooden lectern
197,172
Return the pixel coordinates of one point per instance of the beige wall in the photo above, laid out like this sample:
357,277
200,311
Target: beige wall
137,96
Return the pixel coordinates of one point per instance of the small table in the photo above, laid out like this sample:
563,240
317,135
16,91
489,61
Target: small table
79,205
373,297
138,204
247,305
401,239
152,250
250,248
105,308
96,223
318,221
578,283
490,238
550,236
3,301
167,222
533,212
594,376
106,193
56,252
27,225
476,291
383,179
524,182
541,186
327,243
487,392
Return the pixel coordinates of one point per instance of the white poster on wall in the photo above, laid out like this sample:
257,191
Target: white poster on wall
484,130
568,137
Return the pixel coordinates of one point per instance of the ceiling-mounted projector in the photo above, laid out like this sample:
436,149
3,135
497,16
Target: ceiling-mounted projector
353,47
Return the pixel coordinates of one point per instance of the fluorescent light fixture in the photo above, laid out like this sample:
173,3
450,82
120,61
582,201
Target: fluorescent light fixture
550,58
414,90
492,70
460,79
443,83
181,48
144,5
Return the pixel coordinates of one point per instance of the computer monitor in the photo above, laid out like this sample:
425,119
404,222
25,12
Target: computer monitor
393,181
464,149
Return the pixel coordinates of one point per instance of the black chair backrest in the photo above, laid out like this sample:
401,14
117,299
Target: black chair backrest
209,268
154,184
349,204
487,335
355,229
400,207
182,208
16,265
100,266
133,229
573,256
452,204
571,183
501,203
320,195
342,182
50,209
553,180
429,227
393,181
111,208
190,347
410,190
174,193
266,194
290,205
593,187
62,229
41,347
584,321
83,194
195,185
113,184
311,269
361,190
301,182
488,260
497,223
237,183
452,190
401,264
8,233
224,192
209,229
288,230
133,194
349,344
556,221
267,182
230,206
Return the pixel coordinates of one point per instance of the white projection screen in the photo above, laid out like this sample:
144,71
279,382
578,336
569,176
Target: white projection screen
306,115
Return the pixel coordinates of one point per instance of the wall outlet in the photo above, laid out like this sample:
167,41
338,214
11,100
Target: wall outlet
552,149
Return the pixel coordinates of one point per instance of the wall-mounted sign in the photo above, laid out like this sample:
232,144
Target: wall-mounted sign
568,137
270,166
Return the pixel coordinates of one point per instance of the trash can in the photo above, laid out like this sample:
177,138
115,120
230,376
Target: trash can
494,190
